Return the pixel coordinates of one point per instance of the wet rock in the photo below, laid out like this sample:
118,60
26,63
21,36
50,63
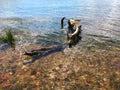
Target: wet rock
38,73
33,77
52,76
37,83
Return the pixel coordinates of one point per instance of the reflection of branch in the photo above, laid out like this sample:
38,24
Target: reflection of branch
41,54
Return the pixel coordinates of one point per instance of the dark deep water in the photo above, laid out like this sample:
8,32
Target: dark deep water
99,18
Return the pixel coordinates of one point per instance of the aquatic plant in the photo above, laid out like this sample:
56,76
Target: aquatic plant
8,38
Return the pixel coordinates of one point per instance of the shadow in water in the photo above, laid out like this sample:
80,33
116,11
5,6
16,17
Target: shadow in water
41,53
55,40
4,47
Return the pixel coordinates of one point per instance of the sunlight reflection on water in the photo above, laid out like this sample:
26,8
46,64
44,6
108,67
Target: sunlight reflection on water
43,16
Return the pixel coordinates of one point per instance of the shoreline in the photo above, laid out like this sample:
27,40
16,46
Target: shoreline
94,65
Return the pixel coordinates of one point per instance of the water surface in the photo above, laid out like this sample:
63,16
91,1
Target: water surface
40,17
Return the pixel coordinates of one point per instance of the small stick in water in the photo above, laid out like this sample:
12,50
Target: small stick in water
62,23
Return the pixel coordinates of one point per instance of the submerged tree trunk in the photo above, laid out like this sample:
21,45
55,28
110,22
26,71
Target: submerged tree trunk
43,52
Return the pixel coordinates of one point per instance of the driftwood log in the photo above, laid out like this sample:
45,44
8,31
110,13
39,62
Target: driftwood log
74,31
73,37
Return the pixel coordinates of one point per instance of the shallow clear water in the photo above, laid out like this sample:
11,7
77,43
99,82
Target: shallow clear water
41,17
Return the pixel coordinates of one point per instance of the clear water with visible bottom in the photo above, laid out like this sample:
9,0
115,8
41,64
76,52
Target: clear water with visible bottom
41,18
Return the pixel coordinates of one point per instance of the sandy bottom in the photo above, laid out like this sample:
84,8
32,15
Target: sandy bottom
70,69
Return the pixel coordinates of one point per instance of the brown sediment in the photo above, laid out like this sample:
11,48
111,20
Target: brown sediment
71,69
